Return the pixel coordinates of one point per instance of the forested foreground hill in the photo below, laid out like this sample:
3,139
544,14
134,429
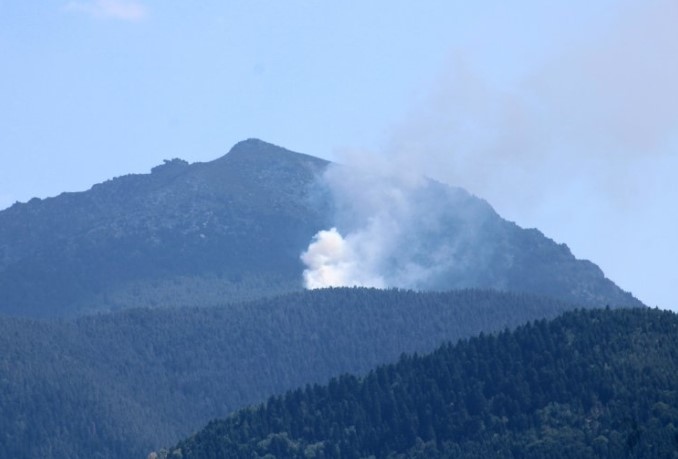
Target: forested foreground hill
598,383
120,385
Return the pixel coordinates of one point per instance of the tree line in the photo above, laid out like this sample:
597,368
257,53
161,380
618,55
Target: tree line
597,383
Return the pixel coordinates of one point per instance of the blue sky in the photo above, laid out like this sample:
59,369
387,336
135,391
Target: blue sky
563,116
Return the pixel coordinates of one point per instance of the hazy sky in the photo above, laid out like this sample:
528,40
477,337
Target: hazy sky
564,117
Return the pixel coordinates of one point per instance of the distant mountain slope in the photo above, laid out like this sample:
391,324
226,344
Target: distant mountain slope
119,385
599,383
186,234
233,229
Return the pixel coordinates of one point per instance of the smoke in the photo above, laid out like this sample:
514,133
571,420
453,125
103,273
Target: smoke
575,144
333,262
583,119
583,145
392,230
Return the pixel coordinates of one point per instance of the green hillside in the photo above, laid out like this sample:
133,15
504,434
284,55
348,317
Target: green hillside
120,385
598,383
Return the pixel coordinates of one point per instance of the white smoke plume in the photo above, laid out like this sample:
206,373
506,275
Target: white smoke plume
579,145
334,262
390,231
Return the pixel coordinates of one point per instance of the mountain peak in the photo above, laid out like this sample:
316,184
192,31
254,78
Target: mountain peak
253,142
252,145
255,150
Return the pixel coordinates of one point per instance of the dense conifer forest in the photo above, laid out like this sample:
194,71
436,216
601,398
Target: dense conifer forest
596,383
119,385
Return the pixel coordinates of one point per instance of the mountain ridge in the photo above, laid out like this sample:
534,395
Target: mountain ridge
233,229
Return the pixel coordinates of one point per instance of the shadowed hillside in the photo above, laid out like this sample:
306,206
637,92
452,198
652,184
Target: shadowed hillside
119,385
591,384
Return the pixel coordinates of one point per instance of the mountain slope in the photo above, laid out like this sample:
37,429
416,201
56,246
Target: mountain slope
233,229
599,383
119,385
187,234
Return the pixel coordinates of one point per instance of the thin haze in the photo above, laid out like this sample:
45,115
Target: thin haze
578,135
583,145
562,115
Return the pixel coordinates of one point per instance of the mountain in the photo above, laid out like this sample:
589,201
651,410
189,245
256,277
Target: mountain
597,383
181,235
116,386
233,229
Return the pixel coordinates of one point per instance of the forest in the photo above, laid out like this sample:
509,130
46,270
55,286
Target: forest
120,385
592,383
